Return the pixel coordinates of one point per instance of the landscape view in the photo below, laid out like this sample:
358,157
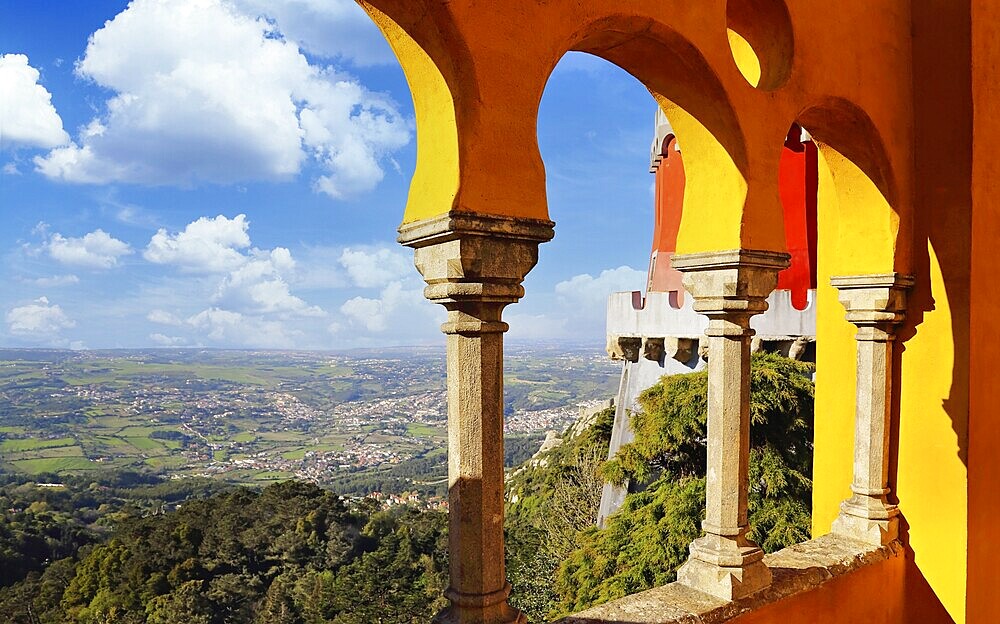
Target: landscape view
361,423
223,389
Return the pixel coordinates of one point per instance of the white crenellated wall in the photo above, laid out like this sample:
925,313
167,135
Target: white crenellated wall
631,314
655,337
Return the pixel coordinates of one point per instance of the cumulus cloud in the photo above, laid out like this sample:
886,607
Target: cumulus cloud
206,245
575,309
226,326
260,286
593,291
375,268
167,341
205,92
327,28
11,169
96,250
162,317
27,117
38,319
254,280
397,307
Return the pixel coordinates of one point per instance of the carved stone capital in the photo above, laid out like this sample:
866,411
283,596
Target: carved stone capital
731,284
469,258
873,302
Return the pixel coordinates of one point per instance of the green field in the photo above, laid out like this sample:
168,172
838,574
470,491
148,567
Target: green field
290,413
29,444
55,464
144,444
420,429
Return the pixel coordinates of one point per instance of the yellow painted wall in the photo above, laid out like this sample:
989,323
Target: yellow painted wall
835,365
744,56
711,179
856,234
435,179
932,483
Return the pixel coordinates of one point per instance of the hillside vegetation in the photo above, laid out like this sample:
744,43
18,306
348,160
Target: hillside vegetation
564,564
290,554
136,549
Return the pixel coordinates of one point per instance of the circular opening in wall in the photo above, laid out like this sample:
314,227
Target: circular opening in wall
760,38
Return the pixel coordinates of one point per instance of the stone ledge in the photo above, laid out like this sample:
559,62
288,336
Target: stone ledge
795,570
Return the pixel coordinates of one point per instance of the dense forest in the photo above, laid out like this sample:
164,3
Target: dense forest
133,549
291,553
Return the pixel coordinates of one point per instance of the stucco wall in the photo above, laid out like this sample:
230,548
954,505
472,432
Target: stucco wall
984,426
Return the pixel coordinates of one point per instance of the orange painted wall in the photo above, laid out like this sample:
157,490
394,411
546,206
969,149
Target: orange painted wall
888,592
890,87
983,602
871,595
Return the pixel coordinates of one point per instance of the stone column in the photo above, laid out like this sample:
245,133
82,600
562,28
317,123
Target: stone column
729,287
877,305
473,266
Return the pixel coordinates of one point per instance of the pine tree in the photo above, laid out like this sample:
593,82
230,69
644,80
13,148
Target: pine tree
646,541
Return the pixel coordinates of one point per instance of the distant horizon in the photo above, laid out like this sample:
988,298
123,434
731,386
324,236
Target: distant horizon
510,344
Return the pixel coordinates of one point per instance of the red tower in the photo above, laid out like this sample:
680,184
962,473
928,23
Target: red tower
798,181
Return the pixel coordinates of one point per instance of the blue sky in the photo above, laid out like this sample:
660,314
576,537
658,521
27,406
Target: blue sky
231,173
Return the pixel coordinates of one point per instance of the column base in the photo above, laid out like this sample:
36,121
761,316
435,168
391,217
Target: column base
459,615
480,609
733,571
878,532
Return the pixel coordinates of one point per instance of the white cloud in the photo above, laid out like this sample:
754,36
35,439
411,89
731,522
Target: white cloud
403,310
11,169
206,245
366,312
207,93
162,317
593,291
255,280
167,341
575,310
38,318
375,268
96,250
56,280
320,269
27,117
228,327
327,28
260,286
536,326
